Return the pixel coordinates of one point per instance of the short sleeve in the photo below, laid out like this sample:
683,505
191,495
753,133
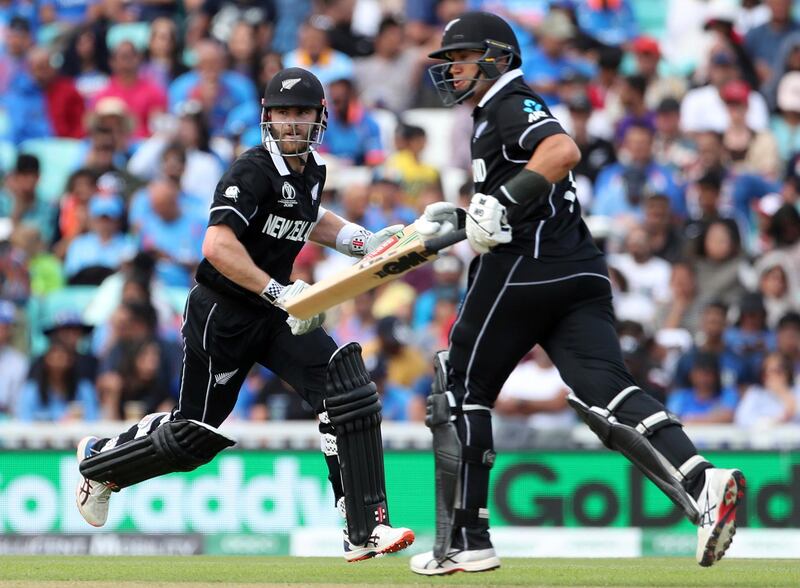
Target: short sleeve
235,199
523,122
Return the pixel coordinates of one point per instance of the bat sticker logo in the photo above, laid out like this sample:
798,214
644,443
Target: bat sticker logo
403,264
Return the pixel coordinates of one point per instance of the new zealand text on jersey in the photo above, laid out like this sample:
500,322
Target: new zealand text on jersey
284,228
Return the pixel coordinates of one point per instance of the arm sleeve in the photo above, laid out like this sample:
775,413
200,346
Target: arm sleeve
236,197
523,122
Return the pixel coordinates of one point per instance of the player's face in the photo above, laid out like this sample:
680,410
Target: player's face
463,74
293,127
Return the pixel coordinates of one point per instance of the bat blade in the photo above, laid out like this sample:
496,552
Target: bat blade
405,252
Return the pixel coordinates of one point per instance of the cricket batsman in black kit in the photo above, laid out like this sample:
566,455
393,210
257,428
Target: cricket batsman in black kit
539,279
266,206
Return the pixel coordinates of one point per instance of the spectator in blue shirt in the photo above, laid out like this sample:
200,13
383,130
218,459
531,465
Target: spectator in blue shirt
70,12
750,338
763,43
620,188
218,90
315,54
55,391
549,61
612,22
171,232
733,370
95,255
706,400
13,57
352,134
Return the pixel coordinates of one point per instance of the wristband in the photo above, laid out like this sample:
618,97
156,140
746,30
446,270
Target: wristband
525,187
352,240
271,291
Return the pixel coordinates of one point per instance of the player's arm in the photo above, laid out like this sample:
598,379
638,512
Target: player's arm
349,238
222,248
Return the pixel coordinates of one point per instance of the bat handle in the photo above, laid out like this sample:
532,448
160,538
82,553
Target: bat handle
436,244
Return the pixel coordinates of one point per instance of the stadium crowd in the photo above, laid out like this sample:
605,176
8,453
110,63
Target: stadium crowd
118,117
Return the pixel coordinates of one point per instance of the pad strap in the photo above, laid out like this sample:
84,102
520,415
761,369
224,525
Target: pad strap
471,517
657,421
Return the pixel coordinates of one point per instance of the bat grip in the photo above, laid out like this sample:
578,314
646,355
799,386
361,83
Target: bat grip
436,244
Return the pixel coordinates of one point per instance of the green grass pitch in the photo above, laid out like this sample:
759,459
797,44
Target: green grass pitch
205,571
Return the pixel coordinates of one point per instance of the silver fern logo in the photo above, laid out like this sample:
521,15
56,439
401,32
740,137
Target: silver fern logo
224,377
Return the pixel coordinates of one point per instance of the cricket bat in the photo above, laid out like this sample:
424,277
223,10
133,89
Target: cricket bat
404,252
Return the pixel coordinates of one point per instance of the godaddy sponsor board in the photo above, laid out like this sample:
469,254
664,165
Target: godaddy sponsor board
278,502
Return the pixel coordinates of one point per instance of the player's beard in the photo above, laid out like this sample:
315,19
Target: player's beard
295,142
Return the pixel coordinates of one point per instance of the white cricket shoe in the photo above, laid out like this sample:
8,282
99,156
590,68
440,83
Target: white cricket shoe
90,496
475,560
384,539
721,495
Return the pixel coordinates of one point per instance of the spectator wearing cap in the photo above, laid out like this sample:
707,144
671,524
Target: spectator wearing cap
647,55
217,90
621,188
171,232
703,109
394,63
763,43
70,12
612,22
203,167
315,54
13,60
774,399
95,255
709,339
750,151
69,329
672,147
113,114
786,123
144,98
352,135
750,338
13,363
549,60
706,400
55,390
86,61
406,161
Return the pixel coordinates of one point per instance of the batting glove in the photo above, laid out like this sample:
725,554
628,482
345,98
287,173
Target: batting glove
439,218
298,326
486,223
375,240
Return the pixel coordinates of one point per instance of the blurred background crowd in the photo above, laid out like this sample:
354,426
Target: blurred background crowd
117,118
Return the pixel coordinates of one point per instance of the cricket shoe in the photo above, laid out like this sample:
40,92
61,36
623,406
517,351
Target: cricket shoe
474,560
384,539
90,496
722,493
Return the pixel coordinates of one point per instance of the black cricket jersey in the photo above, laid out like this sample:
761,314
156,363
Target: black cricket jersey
271,209
509,123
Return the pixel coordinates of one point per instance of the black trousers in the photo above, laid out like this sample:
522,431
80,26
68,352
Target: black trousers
514,303
223,338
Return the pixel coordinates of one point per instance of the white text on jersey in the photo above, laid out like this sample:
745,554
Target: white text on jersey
284,228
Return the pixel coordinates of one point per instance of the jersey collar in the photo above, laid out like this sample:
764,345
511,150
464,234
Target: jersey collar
501,83
277,159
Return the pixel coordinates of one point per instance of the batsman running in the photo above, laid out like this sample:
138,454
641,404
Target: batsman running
539,280
266,206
